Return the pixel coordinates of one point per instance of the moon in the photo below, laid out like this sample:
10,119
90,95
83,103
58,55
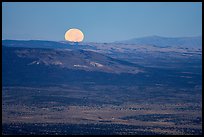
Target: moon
74,35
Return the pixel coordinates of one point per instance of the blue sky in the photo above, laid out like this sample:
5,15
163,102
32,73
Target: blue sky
100,21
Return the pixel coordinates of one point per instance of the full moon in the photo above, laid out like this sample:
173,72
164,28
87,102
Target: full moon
74,35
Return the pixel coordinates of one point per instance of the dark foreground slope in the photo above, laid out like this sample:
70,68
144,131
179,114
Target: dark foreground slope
24,66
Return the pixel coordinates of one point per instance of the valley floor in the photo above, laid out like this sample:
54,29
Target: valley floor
97,109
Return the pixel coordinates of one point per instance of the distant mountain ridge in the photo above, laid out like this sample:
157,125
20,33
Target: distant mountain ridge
159,41
34,44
